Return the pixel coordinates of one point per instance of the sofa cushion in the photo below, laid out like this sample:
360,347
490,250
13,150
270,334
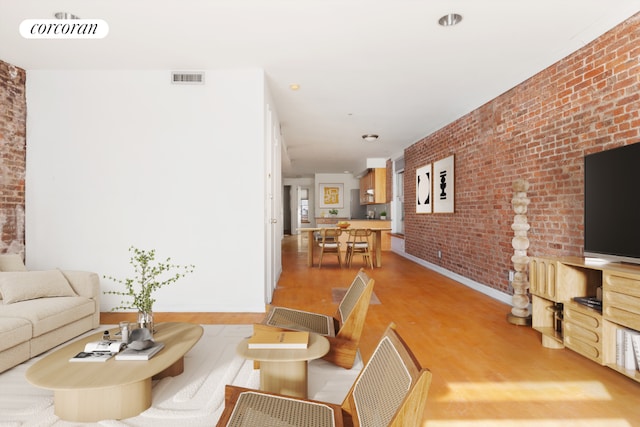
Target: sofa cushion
14,331
11,262
47,314
27,285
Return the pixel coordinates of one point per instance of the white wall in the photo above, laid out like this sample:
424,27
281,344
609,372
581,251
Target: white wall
120,158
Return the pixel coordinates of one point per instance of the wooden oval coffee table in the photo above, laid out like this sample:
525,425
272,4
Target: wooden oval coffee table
115,389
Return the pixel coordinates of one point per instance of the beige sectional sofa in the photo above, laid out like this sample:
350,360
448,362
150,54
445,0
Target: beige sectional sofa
42,309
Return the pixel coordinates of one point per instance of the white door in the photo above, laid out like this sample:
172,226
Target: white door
273,207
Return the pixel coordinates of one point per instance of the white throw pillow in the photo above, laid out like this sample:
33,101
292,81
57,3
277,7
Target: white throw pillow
25,285
11,262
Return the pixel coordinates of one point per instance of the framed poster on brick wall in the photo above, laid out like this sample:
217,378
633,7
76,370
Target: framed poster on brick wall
423,189
443,185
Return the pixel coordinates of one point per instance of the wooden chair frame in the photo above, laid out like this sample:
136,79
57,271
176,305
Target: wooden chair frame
366,406
358,243
349,318
330,243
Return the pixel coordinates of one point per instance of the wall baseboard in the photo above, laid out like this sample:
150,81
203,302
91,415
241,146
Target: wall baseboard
491,292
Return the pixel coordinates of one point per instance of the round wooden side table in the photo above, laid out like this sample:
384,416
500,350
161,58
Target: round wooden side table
284,371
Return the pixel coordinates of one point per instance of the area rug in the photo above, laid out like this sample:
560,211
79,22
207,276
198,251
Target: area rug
338,293
194,398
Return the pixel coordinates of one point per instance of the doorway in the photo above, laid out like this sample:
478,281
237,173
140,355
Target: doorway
286,210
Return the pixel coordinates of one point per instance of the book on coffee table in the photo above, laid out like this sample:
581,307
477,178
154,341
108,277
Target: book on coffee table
266,339
98,351
90,356
144,354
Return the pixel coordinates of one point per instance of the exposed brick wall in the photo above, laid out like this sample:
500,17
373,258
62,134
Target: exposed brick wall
539,131
13,114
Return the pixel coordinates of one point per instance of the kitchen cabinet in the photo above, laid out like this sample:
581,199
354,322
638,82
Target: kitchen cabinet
373,187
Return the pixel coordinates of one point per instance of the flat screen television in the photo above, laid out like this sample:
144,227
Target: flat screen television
612,204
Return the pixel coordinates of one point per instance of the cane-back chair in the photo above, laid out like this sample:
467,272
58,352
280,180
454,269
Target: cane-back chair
358,244
330,243
343,330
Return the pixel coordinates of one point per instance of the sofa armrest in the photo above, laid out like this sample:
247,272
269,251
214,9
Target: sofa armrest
84,283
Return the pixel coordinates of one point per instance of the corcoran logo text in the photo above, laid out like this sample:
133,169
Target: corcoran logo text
64,28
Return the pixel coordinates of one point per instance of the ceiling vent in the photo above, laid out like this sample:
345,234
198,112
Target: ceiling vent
187,78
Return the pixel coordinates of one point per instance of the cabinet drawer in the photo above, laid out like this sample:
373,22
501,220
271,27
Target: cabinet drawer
583,331
584,334
621,299
622,309
589,350
589,319
622,283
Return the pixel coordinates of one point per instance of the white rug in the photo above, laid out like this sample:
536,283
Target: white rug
194,398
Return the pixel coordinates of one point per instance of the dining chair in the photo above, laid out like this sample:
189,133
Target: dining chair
330,243
358,243
343,330
391,390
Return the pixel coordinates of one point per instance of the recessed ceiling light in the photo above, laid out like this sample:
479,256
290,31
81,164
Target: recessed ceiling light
294,86
450,20
65,15
370,137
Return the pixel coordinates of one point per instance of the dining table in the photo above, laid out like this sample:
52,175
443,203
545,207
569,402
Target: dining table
376,246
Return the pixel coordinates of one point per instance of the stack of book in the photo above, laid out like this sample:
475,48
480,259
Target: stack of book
627,349
275,339
144,354
101,351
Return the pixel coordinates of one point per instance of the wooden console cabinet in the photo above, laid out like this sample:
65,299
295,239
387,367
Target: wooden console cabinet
555,281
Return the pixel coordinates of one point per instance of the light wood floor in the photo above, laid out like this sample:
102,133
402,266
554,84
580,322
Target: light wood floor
486,372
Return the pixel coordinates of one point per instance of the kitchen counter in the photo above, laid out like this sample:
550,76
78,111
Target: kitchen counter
336,219
330,219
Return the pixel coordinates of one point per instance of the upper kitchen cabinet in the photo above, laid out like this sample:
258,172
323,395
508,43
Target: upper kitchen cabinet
373,187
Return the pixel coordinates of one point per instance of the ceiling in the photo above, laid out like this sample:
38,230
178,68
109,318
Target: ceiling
377,66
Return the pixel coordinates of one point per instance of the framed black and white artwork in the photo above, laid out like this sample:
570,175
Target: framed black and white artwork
443,185
423,189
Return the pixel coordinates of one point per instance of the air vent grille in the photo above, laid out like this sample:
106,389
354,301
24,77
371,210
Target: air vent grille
187,78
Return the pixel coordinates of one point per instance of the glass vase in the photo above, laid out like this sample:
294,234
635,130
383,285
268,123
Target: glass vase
145,320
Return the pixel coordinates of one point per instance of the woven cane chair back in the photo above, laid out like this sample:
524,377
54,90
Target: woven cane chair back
352,295
358,244
330,244
382,390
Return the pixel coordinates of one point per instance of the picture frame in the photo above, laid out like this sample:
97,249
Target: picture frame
444,185
331,196
424,188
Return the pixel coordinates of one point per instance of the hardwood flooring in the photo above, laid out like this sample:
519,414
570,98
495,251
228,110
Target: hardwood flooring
486,372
